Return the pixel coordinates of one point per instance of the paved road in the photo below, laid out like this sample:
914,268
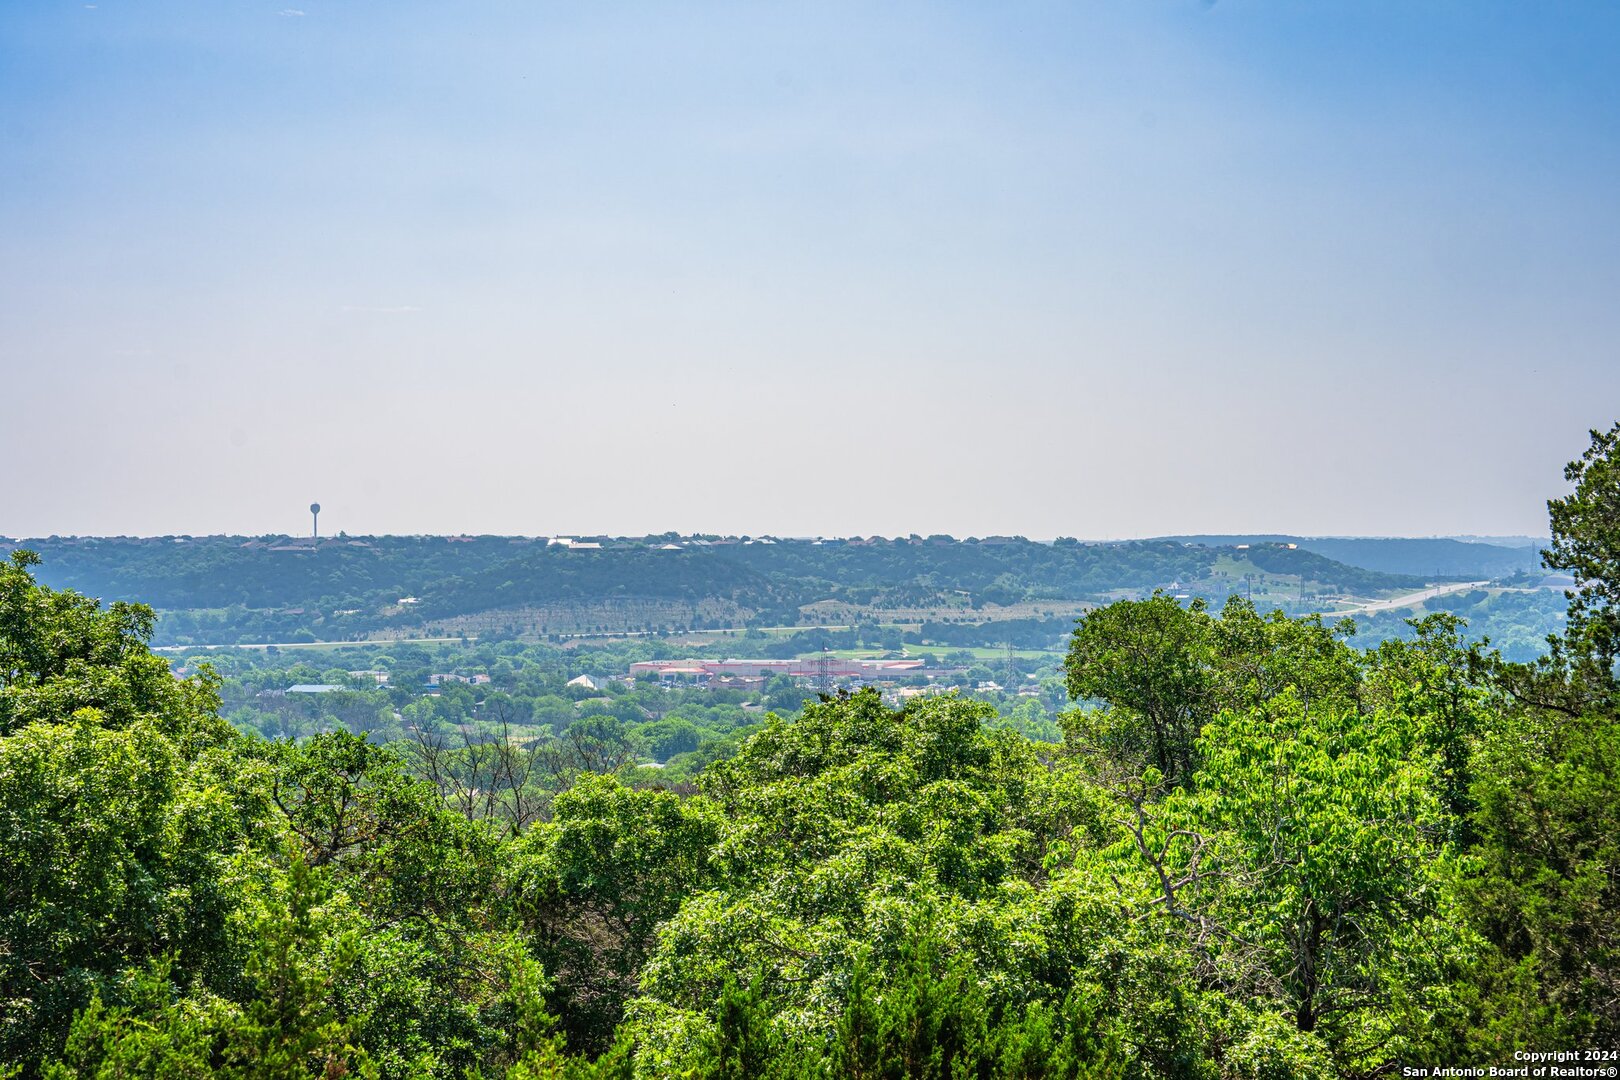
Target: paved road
317,644
473,637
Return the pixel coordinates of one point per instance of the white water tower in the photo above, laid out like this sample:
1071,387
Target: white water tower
315,521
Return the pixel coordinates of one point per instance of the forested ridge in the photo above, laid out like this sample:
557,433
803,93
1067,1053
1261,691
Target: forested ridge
1258,851
225,589
1426,556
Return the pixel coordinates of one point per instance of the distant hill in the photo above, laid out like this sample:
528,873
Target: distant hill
242,589
1431,558
1537,542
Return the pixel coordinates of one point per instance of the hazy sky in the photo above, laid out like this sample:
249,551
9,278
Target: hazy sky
1091,269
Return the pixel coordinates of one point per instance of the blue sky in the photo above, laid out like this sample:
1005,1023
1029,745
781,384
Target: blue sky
1100,270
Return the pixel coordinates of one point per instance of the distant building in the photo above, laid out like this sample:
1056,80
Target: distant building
314,688
583,682
670,671
440,678
704,671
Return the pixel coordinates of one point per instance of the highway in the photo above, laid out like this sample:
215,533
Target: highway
1430,593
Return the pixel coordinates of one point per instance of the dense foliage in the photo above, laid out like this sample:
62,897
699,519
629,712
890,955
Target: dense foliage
1258,851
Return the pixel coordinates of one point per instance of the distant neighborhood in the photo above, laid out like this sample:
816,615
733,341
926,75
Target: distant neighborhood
748,674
